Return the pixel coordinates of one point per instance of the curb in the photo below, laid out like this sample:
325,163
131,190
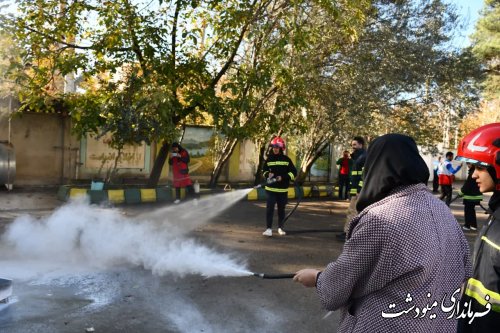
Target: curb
167,194
120,196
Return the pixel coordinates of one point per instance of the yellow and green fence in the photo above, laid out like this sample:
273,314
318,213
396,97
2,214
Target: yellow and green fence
120,196
167,194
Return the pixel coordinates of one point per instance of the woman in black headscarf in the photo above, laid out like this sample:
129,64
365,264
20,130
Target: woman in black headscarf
403,249
393,160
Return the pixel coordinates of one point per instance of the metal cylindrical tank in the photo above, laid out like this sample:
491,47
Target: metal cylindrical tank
7,164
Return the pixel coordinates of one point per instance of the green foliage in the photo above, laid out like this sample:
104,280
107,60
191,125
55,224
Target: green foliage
8,53
143,69
486,45
402,75
266,93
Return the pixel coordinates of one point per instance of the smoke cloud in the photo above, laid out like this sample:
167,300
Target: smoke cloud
89,237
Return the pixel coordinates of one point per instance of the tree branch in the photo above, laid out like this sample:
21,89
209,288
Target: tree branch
135,42
233,53
174,40
74,46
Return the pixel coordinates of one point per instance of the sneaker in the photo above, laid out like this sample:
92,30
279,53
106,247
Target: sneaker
466,228
281,232
177,201
268,232
473,228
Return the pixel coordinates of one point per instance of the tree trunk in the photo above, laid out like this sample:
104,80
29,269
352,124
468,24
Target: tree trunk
311,156
110,177
155,174
262,159
305,168
226,153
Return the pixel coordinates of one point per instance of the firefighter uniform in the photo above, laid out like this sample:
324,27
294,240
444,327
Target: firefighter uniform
356,183
359,157
479,309
482,290
471,198
277,191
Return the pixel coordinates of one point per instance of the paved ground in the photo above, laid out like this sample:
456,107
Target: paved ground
130,298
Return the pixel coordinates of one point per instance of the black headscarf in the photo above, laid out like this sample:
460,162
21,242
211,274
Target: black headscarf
494,202
392,160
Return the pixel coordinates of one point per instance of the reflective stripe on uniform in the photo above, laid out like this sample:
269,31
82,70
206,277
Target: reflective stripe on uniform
356,173
278,163
482,295
292,177
473,197
489,242
274,189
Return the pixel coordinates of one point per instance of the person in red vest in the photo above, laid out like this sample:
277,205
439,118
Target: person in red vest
446,174
345,166
179,159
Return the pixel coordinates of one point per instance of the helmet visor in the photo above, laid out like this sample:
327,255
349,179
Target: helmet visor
472,161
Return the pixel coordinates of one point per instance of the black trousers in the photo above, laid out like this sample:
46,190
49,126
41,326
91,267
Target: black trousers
343,186
276,198
470,213
189,192
435,182
446,192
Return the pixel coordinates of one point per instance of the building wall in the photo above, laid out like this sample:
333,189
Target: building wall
47,154
38,140
243,162
97,159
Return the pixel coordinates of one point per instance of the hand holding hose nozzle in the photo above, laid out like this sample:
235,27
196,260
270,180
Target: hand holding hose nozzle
308,277
268,181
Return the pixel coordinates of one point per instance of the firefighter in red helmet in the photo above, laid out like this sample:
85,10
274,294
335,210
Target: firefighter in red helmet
278,171
480,302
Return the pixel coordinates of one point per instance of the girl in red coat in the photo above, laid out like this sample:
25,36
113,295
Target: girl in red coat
179,159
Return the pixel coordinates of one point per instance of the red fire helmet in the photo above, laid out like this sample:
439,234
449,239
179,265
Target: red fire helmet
482,147
278,142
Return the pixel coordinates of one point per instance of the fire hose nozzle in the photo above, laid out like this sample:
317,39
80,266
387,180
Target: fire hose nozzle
268,181
271,180
274,276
